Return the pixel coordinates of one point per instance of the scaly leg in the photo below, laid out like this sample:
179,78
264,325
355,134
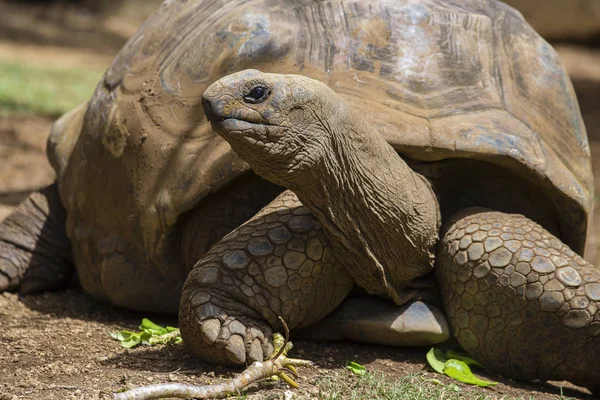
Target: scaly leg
35,253
519,300
279,263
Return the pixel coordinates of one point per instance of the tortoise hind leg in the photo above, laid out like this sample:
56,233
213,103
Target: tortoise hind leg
35,253
519,300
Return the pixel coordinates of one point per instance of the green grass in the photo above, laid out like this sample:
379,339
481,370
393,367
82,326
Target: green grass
378,386
27,89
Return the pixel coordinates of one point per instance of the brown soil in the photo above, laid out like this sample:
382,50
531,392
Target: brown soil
56,345
24,164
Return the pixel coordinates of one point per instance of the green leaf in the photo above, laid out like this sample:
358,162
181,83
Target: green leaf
451,354
145,335
126,334
460,371
356,368
128,339
117,335
150,334
152,328
131,341
436,359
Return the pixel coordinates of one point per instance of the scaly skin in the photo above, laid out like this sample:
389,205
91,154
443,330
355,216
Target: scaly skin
519,300
35,253
279,263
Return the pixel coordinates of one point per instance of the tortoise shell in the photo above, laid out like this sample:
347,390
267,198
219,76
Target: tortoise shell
439,79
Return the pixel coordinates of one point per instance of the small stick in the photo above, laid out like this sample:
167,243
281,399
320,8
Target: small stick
286,340
257,371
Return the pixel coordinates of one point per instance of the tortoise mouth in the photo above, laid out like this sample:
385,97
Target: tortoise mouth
232,125
228,125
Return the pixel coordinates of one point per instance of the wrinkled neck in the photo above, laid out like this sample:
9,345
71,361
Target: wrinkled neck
383,216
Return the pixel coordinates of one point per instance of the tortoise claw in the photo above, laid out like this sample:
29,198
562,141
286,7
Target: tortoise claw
235,350
255,351
209,330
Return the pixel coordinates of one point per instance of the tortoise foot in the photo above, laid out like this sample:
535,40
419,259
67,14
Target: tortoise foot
35,253
371,319
519,300
223,332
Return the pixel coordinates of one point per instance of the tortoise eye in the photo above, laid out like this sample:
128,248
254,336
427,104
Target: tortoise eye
256,95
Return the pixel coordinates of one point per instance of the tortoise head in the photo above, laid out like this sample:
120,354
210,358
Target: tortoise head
279,124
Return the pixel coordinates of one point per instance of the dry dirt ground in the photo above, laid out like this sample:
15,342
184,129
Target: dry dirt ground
56,345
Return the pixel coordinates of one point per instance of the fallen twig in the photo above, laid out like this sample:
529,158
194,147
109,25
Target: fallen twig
276,366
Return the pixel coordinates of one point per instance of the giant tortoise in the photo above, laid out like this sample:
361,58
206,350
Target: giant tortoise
449,137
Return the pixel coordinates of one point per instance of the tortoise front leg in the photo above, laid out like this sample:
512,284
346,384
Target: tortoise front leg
519,300
35,253
279,263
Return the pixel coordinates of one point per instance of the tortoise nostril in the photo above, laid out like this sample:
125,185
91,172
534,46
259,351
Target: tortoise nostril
209,110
